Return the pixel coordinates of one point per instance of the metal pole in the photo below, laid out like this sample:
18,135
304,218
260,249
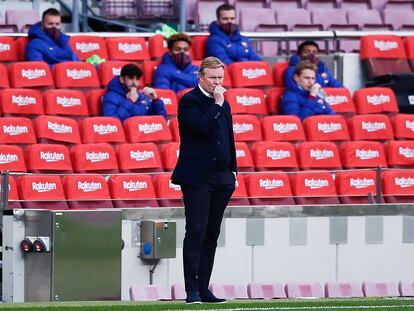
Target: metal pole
75,16
84,15
182,15
379,185
4,189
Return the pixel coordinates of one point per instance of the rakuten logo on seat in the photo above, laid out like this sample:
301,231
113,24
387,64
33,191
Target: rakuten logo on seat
89,186
148,128
23,100
129,47
86,47
406,152
253,73
336,99
97,156
4,47
277,154
404,182
8,158
14,130
33,73
329,127
239,128
68,101
361,183
43,187
166,100
59,128
409,125
76,74
248,100
134,185
316,183
105,129
283,128
271,183
376,100
321,154
240,153
364,154
385,45
141,155
52,156
174,186
373,126
116,71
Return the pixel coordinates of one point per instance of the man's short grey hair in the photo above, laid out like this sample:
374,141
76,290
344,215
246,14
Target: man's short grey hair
210,62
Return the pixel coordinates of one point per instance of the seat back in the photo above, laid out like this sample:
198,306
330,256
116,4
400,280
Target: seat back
16,130
370,127
375,100
251,74
398,186
278,72
147,129
400,153
318,155
403,126
268,155
244,100
21,102
198,46
362,17
30,74
86,46
326,128
157,46
292,17
246,128
8,49
109,69
94,158
138,157
94,98
168,194
102,130
328,16
54,129
353,187
22,17
169,155
65,102
250,18
4,77
127,48
273,97
48,158
239,196
362,154
170,101
12,159
340,100
75,75
244,157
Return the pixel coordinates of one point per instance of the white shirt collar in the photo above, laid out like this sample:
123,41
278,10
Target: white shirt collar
204,92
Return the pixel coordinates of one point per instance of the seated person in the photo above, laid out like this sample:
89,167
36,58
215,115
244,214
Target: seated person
225,41
46,41
305,98
309,51
122,99
176,71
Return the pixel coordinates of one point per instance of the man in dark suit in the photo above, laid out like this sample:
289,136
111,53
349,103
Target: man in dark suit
206,170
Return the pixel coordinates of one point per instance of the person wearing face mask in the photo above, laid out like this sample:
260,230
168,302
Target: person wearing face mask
309,51
225,41
123,100
304,98
46,41
176,71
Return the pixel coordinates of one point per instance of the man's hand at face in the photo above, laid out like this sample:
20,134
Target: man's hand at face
150,92
315,89
132,95
218,95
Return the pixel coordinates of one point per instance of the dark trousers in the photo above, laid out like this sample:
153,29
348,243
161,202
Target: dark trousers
204,209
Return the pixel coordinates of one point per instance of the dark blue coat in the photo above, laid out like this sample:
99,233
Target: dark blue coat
297,102
42,48
115,104
197,118
169,76
229,48
324,76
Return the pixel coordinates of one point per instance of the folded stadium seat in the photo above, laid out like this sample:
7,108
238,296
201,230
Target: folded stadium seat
178,291
79,75
278,72
250,18
22,18
326,128
169,155
375,100
127,48
265,291
94,158
157,46
285,4
318,155
328,17
168,194
138,158
173,125
13,194
41,192
283,128
239,197
398,5
52,129
370,127
198,47
130,191
313,187
244,158
364,18
147,129
8,49
314,5
246,128
400,153
273,97
48,158
21,102
170,101
65,103
17,130
229,291
293,18
4,77
305,289
87,191
343,290
182,93
340,100
409,46
149,293
380,289
398,186
21,48
206,12
148,68
102,130
94,98
362,154
86,46
269,156
30,74
354,187
397,19
251,74
12,159
244,100
269,189
406,288
403,126
355,4
269,47
109,69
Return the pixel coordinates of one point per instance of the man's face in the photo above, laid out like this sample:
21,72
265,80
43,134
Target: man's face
180,46
51,21
227,17
211,78
306,79
130,82
307,50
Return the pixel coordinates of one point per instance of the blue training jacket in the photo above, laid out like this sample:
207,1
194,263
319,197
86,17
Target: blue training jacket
324,76
42,48
115,104
229,48
296,102
169,76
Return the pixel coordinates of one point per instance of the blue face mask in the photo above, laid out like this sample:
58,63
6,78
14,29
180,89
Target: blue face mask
181,59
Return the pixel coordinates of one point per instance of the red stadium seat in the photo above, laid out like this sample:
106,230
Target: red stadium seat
65,102
94,158
168,194
48,158
75,75
246,128
169,155
86,46
109,69
244,158
148,69
130,191
375,100
170,101
147,129
21,102
138,157
318,155
273,97
353,187
269,189
227,82
398,186
127,48
370,127
182,93
307,289
51,129
362,154
313,187
15,130
403,125
87,191
173,125
247,74
278,72
94,98
239,196
157,46
21,48
340,100
326,128
102,130
409,49
343,290
244,100
12,159
283,128
8,50
13,194
269,155
41,192
30,74
4,77
400,153
199,47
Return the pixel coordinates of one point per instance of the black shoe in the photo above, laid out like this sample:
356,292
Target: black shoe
210,298
193,298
